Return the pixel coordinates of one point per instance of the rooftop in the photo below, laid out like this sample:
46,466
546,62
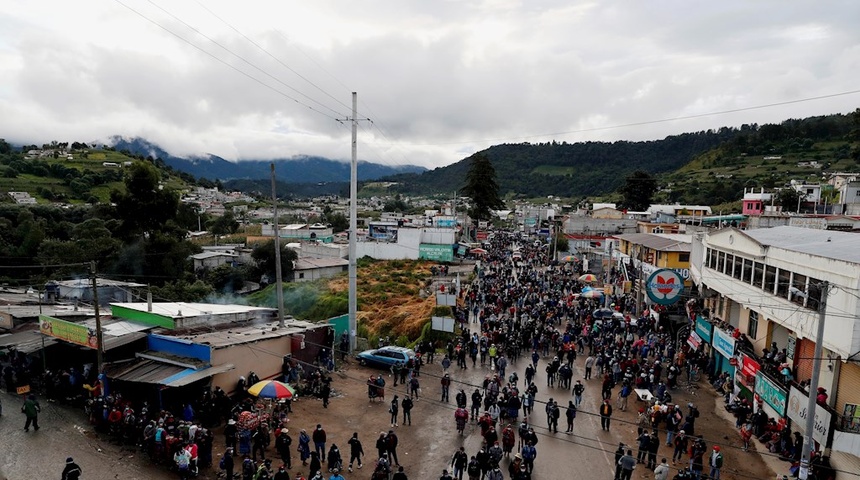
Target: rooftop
248,333
312,263
184,309
663,242
822,243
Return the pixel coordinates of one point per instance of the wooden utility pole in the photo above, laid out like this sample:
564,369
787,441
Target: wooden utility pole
99,338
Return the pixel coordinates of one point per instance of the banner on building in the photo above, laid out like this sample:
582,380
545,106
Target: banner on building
68,331
771,393
724,343
704,328
435,252
694,341
798,403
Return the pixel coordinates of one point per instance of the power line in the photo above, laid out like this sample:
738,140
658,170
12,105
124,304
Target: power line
271,55
243,59
216,58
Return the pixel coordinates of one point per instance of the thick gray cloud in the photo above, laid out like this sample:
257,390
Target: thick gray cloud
439,79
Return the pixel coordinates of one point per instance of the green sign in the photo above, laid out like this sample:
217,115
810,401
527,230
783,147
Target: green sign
146,318
68,331
436,253
771,393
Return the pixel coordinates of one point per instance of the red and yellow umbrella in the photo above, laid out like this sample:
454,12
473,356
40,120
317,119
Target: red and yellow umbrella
271,389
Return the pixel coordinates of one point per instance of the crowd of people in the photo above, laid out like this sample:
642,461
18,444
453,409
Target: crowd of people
524,309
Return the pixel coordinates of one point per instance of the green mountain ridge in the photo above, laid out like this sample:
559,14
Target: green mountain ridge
708,167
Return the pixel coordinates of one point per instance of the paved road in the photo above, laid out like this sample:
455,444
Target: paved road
63,433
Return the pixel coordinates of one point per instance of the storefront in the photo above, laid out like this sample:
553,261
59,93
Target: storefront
745,377
770,395
724,351
703,329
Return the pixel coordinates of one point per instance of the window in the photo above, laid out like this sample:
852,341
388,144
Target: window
721,261
798,281
769,279
752,325
683,257
712,258
748,270
758,274
301,275
782,283
730,260
738,268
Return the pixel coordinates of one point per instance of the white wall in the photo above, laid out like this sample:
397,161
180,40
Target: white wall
386,251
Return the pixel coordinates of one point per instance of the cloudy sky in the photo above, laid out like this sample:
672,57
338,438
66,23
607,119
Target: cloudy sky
440,79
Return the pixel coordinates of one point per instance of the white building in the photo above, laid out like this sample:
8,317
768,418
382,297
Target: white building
768,284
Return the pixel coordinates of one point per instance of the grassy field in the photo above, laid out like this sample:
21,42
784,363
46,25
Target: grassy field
94,162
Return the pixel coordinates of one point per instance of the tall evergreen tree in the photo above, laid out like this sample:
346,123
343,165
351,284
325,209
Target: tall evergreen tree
482,187
638,191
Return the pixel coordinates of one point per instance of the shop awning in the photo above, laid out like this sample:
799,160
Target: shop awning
28,341
190,376
143,371
160,373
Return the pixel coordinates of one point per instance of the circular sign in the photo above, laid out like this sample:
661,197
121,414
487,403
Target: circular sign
664,286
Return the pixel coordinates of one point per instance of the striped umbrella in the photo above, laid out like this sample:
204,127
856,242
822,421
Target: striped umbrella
271,389
588,278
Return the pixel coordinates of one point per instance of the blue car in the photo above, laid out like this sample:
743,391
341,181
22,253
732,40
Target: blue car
385,357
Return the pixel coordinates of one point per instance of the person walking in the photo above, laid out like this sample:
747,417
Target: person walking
716,463
571,415
577,393
400,475
31,409
459,461
662,471
319,439
529,454
394,410
446,384
283,442
355,451
589,364
72,471
619,452
681,442
406,404
228,464
627,464
304,446
605,414
552,414
391,442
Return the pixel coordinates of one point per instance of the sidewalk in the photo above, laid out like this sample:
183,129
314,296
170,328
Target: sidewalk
774,464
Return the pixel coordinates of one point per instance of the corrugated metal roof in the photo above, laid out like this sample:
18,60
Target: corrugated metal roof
821,243
190,376
659,242
143,371
28,341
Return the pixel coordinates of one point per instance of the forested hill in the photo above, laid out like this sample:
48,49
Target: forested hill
571,170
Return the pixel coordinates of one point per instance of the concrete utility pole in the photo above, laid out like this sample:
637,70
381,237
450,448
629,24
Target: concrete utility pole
808,441
100,349
279,283
353,227
608,277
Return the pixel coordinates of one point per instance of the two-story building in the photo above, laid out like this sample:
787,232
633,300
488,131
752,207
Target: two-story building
649,252
769,285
